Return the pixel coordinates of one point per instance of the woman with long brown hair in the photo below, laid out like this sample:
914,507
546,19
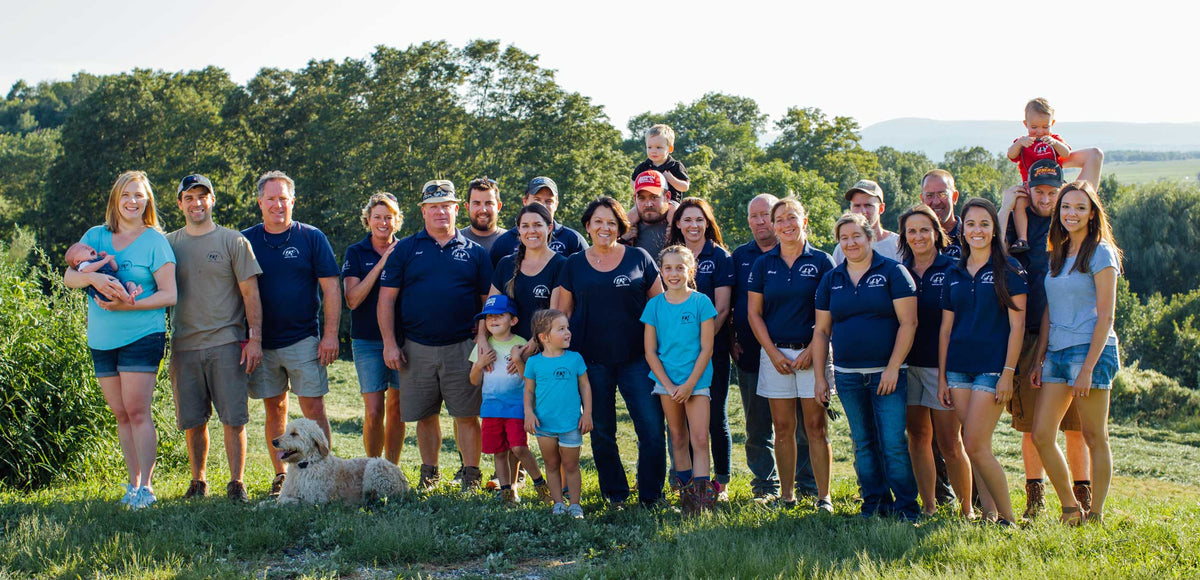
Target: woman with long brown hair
1077,345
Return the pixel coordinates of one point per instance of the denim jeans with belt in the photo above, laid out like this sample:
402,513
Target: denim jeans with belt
881,459
632,379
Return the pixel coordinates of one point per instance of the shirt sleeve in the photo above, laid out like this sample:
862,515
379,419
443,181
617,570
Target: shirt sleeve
350,267
503,273
474,354
531,366
643,166
245,265
1015,277
724,274
161,254
900,282
566,277
821,301
325,263
757,276
1104,257
393,270
651,269
580,366
483,283
945,298
707,310
679,171
650,312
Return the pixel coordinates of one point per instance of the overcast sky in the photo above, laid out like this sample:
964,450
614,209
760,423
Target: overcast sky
872,60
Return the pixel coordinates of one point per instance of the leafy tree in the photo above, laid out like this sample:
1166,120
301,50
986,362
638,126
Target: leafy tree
900,178
24,161
776,177
728,125
810,141
979,173
45,105
1158,227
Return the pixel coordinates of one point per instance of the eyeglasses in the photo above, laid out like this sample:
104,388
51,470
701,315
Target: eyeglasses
936,194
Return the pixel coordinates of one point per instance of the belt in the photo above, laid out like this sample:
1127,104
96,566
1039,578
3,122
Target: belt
791,345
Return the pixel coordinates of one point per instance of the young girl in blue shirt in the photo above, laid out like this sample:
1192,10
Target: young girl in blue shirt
680,328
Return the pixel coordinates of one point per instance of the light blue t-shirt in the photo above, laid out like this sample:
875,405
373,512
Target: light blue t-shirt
1071,300
136,263
556,390
678,330
503,394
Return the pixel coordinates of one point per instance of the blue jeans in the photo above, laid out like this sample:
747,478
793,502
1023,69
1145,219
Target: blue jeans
760,442
633,381
881,458
718,418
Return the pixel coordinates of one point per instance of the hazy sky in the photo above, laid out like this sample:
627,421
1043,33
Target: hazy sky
872,60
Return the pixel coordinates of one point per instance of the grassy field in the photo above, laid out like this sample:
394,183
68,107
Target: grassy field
1138,172
1152,529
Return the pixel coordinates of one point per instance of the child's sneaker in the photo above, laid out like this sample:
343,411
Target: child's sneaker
131,494
558,509
145,497
576,511
543,493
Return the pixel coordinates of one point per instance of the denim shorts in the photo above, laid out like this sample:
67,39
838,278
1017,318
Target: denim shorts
661,390
572,438
985,382
1062,366
373,374
140,356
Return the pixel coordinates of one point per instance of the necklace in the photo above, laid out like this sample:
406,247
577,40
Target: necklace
267,240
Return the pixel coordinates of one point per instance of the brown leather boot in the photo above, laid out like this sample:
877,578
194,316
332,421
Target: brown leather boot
1083,495
1035,499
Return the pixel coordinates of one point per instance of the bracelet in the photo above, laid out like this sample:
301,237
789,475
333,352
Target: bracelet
1010,369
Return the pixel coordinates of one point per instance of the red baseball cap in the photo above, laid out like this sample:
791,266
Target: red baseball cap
649,179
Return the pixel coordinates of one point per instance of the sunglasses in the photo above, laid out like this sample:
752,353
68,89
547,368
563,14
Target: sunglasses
435,189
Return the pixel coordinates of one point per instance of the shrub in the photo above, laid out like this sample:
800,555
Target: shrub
1162,334
1149,398
54,423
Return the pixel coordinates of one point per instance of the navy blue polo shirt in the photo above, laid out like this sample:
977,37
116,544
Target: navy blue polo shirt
714,269
292,262
788,292
979,340
864,317
1036,263
361,258
563,240
744,257
606,324
531,293
954,249
439,286
924,351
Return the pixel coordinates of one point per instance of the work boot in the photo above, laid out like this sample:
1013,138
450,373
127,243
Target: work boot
1083,495
429,477
198,488
472,478
1035,499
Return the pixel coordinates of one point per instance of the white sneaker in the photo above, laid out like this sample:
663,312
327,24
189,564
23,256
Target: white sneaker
131,494
576,511
558,509
145,497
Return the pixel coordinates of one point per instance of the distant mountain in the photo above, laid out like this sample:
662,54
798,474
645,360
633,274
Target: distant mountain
935,138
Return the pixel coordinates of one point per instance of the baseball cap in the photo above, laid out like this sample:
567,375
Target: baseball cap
1045,172
866,186
541,182
648,179
438,191
497,304
194,180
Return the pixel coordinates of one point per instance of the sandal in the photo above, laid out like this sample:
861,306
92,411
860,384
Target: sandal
1018,247
1072,516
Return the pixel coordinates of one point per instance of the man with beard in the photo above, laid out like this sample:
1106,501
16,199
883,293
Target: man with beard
652,199
483,207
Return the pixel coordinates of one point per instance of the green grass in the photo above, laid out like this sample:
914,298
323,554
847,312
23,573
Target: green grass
78,530
1139,172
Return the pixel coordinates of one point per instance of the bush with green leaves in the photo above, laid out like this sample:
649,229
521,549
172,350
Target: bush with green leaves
1162,334
1148,398
54,423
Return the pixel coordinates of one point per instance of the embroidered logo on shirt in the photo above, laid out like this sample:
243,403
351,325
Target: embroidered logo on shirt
808,271
541,291
937,279
214,257
562,373
688,318
290,252
126,266
621,281
557,246
706,267
986,278
461,255
876,281
383,275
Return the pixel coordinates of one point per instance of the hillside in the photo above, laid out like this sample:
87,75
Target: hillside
935,138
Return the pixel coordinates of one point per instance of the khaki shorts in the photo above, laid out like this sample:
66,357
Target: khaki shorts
292,367
209,378
1024,402
435,374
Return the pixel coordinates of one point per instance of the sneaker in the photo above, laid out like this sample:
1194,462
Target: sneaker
1035,499
458,475
722,491
131,493
509,497
472,478
558,509
824,505
493,483
543,493
236,492
765,497
198,488
144,498
520,480
575,511
1083,495
429,477
277,485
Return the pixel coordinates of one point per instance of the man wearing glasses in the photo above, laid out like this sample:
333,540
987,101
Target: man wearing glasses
440,279
938,192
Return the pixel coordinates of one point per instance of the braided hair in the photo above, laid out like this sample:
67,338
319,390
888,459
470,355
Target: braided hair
541,211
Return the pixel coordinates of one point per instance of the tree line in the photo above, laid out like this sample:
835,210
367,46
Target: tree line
389,122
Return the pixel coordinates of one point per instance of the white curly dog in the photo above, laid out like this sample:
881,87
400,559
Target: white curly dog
318,477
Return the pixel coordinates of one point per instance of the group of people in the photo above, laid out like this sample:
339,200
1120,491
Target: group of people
926,335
